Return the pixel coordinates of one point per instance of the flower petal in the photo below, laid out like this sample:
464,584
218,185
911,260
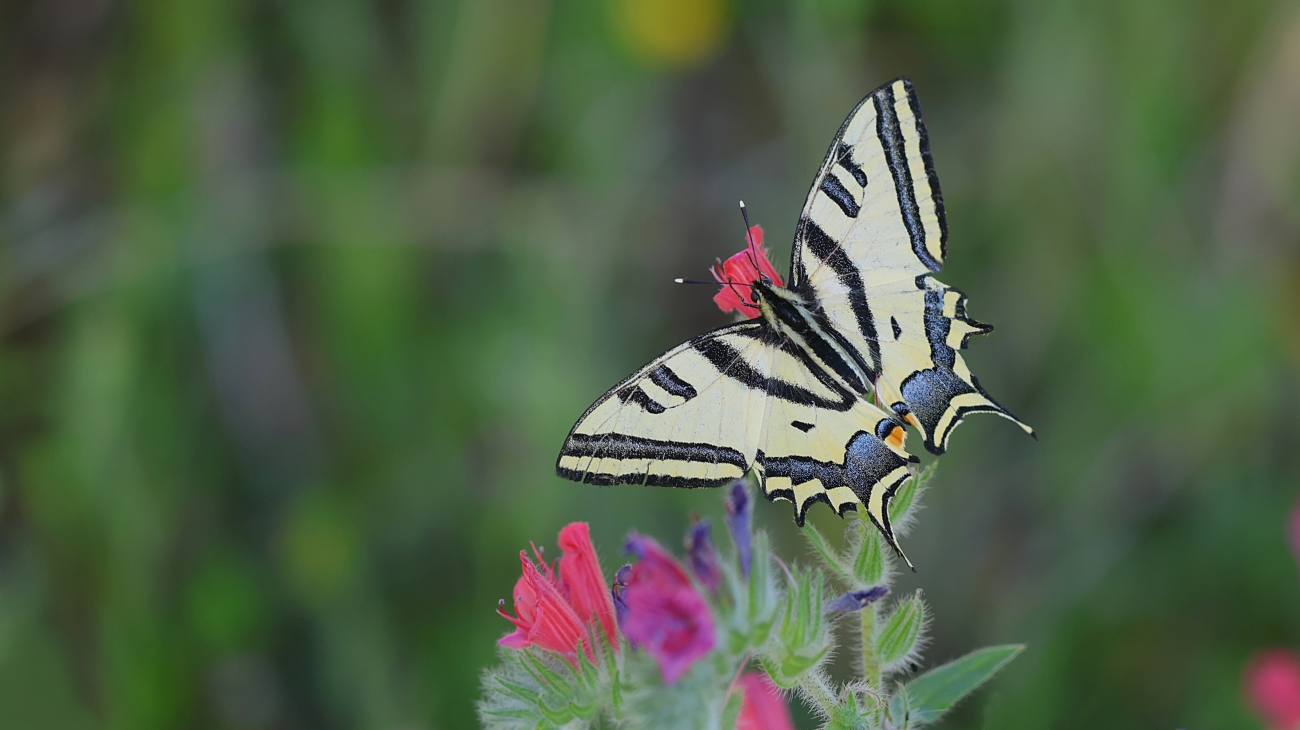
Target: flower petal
855,601
704,558
763,707
739,511
582,578
665,615
1272,685
740,270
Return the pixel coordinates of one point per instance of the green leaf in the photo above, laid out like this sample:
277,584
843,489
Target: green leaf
829,556
869,563
762,591
900,632
933,693
731,713
900,709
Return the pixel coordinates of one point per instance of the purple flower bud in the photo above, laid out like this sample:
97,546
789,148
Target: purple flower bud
855,601
739,512
620,585
704,559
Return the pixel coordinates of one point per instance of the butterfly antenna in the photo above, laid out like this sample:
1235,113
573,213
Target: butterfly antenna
710,283
749,239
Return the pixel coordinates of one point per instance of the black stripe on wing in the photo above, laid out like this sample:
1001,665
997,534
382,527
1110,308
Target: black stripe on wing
635,448
728,361
867,462
931,177
821,245
890,133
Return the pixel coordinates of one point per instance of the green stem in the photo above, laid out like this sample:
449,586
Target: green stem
870,663
815,688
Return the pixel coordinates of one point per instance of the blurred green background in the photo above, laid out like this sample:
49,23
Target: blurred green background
298,300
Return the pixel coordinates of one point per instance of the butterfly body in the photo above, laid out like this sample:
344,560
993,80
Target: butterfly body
813,391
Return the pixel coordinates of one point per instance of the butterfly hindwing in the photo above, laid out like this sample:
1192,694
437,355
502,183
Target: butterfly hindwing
871,235
846,456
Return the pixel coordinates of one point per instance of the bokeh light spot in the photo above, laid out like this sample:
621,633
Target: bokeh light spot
319,548
224,603
672,34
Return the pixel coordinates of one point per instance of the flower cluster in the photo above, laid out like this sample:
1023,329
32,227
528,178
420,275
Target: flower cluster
559,612
717,641
680,646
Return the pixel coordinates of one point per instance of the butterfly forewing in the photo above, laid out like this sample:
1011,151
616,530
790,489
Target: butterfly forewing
871,234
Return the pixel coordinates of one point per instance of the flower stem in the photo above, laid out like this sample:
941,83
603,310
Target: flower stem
816,689
870,663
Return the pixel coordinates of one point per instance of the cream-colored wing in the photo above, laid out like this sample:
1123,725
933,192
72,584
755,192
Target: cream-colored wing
844,457
871,233
924,380
691,418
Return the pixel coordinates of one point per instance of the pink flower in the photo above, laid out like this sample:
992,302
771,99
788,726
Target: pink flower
665,615
762,707
553,611
740,271
1272,686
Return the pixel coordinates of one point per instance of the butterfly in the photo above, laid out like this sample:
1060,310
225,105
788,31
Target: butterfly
815,390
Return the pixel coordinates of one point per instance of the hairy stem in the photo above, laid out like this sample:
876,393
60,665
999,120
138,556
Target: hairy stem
814,687
870,663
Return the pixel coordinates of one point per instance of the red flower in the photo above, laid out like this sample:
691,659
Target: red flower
1272,685
740,271
554,611
665,615
761,707
585,584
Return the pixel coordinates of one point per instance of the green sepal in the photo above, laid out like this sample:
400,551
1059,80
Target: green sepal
615,680
776,675
849,716
830,557
794,665
544,675
518,690
587,672
900,507
558,716
762,591
869,563
935,692
899,634
731,713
